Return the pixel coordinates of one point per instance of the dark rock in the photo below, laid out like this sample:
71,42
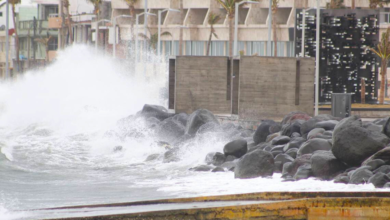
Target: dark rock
183,139
152,157
288,179
182,118
387,185
327,125
286,169
360,176
280,140
230,158
289,129
383,154
380,121
373,127
271,137
342,179
218,169
171,156
277,148
375,164
230,165
379,180
255,164
236,148
201,168
294,143
310,124
292,152
268,148
275,128
293,116
262,131
299,161
155,111
199,118
280,160
276,153
386,127
118,148
326,166
260,146
303,172
170,130
328,133
383,169
359,168
295,135
353,144
315,132
313,145
215,158
208,127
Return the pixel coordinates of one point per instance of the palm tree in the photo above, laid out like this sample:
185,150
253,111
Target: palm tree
13,3
334,4
131,4
275,5
96,11
213,19
375,3
66,5
153,39
45,42
383,51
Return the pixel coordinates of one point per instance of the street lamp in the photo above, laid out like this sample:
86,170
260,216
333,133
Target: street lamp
119,16
97,32
236,23
136,36
159,27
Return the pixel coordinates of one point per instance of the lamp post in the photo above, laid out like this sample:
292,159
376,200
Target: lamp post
136,35
269,28
119,16
317,58
97,32
236,23
159,28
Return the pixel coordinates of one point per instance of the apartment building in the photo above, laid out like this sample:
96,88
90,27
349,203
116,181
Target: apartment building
3,9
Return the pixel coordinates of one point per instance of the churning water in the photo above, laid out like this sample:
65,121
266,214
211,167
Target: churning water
60,129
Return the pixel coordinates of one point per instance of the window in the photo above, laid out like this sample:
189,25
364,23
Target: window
256,47
197,48
50,9
217,48
1,14
290,48
53,44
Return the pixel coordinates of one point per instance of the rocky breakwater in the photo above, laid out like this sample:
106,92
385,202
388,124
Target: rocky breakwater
346,151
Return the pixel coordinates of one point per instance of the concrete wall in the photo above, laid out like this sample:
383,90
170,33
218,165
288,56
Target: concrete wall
268,87
201,82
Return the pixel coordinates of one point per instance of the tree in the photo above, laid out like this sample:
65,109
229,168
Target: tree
45,42
381,3
182,16
230,7
66,5
353,4
213,19
274,8
96,11
383,51
153,39
334,4
13,3
131,4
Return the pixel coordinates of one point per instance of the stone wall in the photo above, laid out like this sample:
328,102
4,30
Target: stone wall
202,82
270,87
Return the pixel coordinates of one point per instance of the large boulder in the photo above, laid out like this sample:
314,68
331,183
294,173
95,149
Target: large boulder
255,164
299,161
236,148
311,123
199,118
170,130
313,145
386,127
202,168
303,172
326,166
353,144
262,131
280,160
383,169
360,176
379,180
294,143
383,154
215,158
292,152
182,118
155,111
280,140
293,116
327,125
315,132
289,129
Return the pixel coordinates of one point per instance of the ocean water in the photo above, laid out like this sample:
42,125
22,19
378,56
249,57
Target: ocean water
60,129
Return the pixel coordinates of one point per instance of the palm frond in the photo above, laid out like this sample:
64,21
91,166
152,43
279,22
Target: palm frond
213,18
142,35
215,35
